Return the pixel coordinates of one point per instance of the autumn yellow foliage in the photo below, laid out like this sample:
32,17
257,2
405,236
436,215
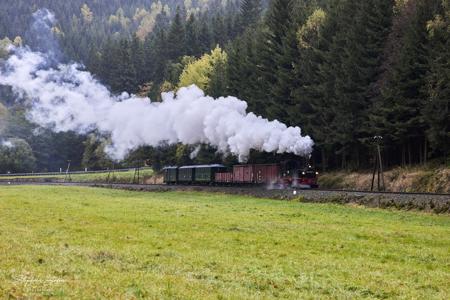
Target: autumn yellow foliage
199,71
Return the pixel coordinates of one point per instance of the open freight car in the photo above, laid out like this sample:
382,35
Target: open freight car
250,174
198,174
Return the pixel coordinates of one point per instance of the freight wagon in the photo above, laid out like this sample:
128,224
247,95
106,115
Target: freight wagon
192,174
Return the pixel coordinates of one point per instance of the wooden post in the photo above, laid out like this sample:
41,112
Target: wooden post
374,171
425,151
380,167
68,178
110,176
136,175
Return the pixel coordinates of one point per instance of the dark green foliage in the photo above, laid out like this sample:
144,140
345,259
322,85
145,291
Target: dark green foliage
94,156
250,13
342,70
122,72
176,37
356,52
16,155
192,36
436,109
218,81
244,80
277,53
402,92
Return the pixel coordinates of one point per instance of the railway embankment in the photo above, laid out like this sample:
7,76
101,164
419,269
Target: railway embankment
419,179
436,203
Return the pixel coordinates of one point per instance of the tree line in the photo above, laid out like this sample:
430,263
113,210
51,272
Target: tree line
344,70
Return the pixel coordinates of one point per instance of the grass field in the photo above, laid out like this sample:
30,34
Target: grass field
86,243
120,177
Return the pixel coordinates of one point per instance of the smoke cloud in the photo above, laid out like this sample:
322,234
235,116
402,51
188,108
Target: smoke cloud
6,143
65,97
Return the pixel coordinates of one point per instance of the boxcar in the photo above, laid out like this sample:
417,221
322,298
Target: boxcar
243,173
264,174
225,177
170,175
186,174
207,173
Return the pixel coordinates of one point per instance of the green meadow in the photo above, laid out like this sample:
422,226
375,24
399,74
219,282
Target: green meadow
88,243
120,177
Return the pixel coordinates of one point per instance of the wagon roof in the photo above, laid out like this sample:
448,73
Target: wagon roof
203,166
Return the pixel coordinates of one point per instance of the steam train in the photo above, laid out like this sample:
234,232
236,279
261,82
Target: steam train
281,175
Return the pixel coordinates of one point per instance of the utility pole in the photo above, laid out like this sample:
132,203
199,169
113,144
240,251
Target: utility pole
378,165
67,177
136,174
110,176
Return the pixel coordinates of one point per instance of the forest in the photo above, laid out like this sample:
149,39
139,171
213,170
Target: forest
345,71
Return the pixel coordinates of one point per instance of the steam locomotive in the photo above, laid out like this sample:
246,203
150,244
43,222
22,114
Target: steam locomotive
281,175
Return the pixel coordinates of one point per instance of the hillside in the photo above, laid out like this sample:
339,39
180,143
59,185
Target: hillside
344,71
83,25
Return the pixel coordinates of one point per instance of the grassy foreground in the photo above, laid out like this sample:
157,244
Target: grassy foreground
74,242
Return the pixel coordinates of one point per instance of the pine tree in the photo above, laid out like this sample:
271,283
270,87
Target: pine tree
243,80
138,59
219,30
436,109
122,74
278,49
359,42
157,56
402,93
313,36
192,36
205,36
250,13
176,37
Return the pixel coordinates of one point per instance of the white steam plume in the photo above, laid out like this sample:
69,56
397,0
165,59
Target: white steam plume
65,97
6,143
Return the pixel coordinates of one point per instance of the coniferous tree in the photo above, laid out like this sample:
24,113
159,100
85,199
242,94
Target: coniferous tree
402,93
243,79
205,38
122,71
176,37
278,49
313,38
250,13
192,36
362,33
138,59
219,30
158,56
436,111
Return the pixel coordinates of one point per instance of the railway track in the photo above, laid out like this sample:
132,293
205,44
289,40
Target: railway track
386,192
432,202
